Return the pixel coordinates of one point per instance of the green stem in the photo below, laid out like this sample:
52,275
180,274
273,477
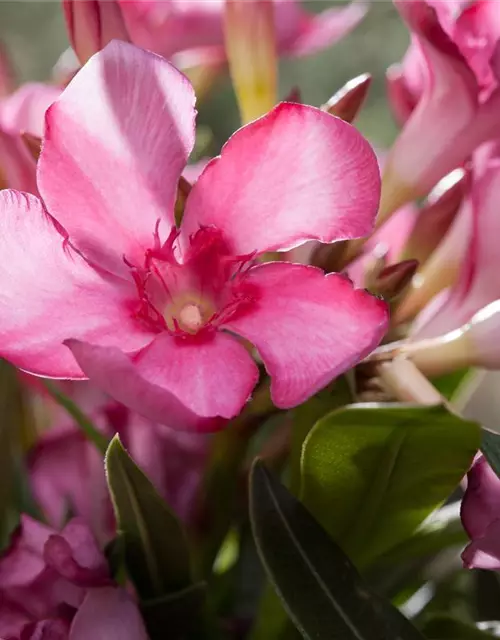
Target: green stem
83,421
222,480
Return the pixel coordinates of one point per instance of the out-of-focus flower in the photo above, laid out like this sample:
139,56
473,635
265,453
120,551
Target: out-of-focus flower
481,517
92,24
67,475
250,41
22,112
196,26
471,254
142,305
57,585
447,91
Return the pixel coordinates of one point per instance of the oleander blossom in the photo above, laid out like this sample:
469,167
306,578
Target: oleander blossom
97,280
446,92
57,585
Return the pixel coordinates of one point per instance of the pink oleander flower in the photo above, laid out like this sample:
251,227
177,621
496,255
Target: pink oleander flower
480,514
470,251
98,281
446,92
66,471
195,27
22,112
57,585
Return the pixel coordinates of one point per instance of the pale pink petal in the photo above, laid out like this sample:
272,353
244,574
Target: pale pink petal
108,614
24,110
443,129
293,175
308,327
168,27
110,165
49,293
317,32
174,381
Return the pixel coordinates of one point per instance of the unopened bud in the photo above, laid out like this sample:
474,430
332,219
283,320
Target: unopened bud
436,216
251,52
183,190
393,280
475,344
92,24
347,102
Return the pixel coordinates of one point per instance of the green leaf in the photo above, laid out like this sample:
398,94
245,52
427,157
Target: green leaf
177,614
371,475
83,422
320,588
490,447
153,542
305,417
447,628
451,383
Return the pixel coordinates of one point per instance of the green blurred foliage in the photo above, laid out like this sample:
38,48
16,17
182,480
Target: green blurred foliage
35,36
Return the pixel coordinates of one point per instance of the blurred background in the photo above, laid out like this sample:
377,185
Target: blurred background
34,34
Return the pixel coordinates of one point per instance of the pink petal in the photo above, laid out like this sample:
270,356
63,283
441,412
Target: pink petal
477,283
13,618
53,629
74,554
293,175
49,293
108,614
109,166
484,552
308,327
66,473
23,562
389,240
481,502
177,382
24,110
317,32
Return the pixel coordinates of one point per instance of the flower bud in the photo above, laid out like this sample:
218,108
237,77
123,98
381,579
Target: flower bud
92,24
436,216
347,102
251,51
475,344
394,279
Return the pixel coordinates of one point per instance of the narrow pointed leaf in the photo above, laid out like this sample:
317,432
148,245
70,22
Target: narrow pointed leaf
153,541
319,586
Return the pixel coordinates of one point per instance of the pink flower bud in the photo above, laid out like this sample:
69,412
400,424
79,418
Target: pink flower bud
92,24
347,102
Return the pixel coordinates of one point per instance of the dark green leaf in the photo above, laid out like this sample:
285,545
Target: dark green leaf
371,475
176,615
320,588
490,446
154,544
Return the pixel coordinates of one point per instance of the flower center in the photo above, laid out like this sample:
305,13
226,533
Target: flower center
196,293
190,318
